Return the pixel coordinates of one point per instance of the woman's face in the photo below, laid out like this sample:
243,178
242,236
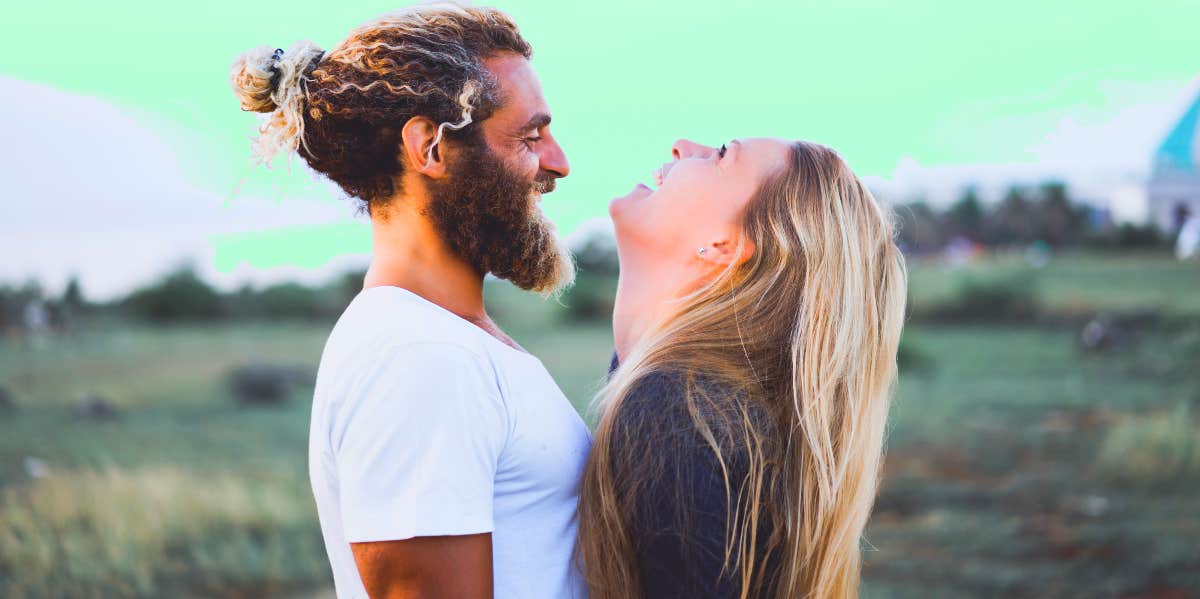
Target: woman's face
701,195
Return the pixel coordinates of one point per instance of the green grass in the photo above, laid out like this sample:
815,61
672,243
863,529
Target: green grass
144,366
1160,449
1075,282
1017,466
993,378
184,492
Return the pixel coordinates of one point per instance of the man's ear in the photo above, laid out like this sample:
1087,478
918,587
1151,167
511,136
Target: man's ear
725,252
417,145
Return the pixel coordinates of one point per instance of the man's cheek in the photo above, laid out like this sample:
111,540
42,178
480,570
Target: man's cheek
526,167
532,164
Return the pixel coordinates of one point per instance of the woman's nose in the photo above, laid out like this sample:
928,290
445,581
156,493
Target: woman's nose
685,148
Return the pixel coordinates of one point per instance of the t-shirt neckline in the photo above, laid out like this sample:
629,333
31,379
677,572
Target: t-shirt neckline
456,317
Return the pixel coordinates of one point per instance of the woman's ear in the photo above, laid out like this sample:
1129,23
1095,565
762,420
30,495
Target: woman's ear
725,252
420,152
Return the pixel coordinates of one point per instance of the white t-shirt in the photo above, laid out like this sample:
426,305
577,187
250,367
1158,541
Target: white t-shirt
423,424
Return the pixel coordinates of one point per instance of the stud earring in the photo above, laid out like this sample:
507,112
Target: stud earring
701,251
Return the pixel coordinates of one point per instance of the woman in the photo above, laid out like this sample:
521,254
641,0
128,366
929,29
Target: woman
757,318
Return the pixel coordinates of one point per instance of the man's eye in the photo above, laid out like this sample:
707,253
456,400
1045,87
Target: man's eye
721,152
533,140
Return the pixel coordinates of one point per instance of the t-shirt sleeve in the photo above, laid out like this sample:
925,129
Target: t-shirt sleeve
417,443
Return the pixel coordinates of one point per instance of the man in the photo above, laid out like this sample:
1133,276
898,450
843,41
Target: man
444,460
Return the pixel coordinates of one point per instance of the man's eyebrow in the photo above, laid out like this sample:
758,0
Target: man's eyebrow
538,121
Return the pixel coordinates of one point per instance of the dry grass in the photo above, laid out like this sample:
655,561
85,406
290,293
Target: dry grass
1151,450
143,533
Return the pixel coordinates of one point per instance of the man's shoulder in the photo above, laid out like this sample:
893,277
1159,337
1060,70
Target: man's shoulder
384,321
386,338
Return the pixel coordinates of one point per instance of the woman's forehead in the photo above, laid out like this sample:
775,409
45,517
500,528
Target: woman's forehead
762,153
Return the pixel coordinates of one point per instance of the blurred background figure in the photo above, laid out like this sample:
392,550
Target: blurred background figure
37,321
1042,160
1188,242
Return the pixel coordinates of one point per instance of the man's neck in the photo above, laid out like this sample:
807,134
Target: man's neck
408,252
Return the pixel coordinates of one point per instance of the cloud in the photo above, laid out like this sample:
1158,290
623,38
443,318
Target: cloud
91,190
1103,151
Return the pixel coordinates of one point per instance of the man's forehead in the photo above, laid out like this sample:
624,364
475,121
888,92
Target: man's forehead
520,90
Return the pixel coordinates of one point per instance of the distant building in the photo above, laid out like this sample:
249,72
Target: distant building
1174,188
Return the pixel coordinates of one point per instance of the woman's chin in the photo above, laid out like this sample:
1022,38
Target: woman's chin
619,204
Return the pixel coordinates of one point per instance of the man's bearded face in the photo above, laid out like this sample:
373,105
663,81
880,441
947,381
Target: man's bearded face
488,215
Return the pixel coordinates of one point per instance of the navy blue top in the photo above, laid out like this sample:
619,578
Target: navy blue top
680,515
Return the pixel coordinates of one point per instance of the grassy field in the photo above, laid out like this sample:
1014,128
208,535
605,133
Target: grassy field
1080,283
1017,465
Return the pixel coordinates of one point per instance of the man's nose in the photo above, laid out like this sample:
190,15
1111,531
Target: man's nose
686,148
553,159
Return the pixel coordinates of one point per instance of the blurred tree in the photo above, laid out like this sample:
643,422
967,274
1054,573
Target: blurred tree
597,254
292,300
921,230
180,296
349,285
965,217
591,297
72,297
1058,221
1128,236
14,300
1012,222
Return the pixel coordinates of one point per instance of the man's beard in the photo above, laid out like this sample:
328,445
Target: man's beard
489,217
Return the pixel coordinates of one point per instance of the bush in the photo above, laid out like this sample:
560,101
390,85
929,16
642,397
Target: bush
1169,353
181,296
911,358
7,403
590,298
1151,450
1128,237
287,301
1005,299
595,289
267,384
13,301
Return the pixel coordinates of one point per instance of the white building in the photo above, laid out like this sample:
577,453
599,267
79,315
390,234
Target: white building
1174,188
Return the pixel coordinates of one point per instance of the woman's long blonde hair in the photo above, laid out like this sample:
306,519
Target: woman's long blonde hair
804,332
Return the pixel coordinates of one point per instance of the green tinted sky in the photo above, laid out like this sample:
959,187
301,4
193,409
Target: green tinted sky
943,83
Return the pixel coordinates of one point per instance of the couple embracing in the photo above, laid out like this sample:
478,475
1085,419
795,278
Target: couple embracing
756,324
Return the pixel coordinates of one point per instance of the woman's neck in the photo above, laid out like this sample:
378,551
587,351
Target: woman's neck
645,295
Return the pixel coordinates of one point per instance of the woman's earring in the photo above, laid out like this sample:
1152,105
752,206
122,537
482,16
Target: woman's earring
701,251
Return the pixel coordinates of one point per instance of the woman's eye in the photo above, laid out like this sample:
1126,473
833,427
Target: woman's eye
721,152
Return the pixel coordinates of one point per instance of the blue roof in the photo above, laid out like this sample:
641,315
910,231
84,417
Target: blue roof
1178,150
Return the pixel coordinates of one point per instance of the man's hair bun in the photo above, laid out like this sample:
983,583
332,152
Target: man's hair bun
343,111
272,80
